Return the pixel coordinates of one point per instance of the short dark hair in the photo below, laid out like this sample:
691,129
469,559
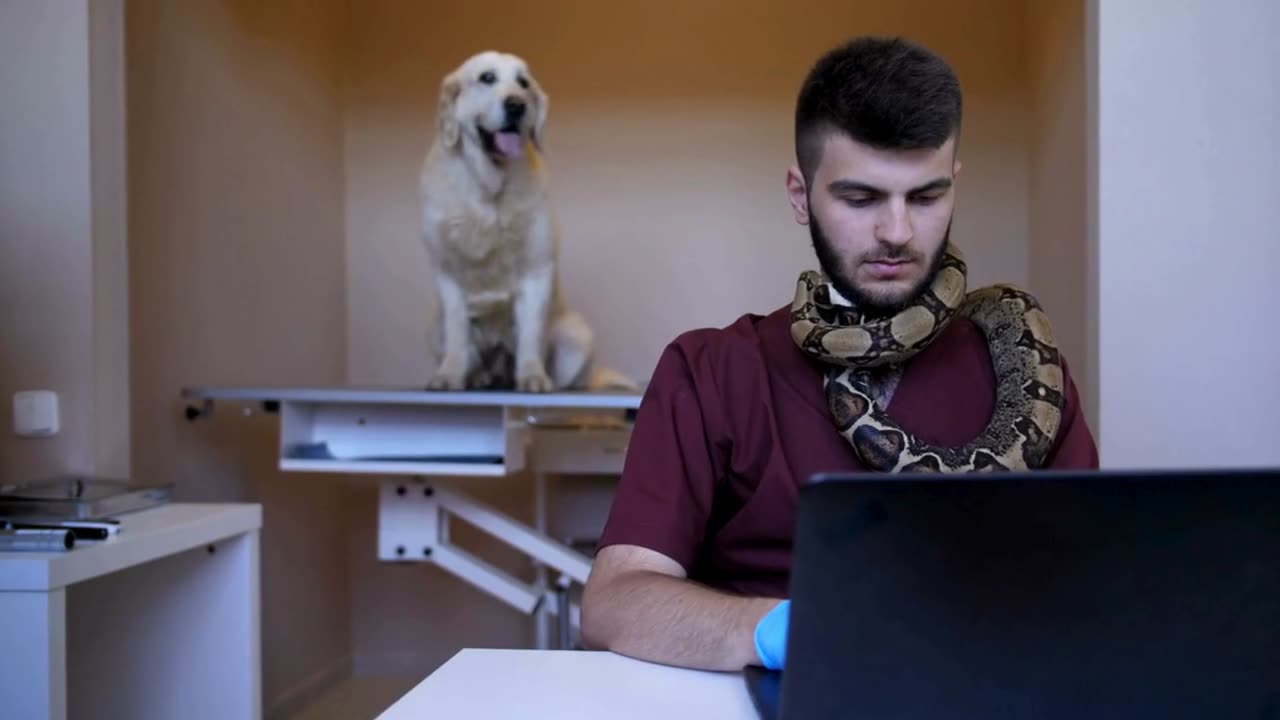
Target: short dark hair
889,93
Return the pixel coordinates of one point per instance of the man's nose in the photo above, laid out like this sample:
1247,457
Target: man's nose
894,225
514,107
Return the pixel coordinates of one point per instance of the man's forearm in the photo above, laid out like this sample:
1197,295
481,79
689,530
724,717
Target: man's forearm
670,620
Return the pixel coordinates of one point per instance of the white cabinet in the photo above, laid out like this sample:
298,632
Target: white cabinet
160,621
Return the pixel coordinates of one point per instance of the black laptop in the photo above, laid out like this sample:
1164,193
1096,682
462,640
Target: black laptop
1113,594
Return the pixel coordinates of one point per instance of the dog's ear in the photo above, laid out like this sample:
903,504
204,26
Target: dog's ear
540,100
446,120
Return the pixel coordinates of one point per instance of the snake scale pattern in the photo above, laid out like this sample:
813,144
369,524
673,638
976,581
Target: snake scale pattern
1027,364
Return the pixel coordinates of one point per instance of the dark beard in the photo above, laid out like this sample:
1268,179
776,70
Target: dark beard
871,307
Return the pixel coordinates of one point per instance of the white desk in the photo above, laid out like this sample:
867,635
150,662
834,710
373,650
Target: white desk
567,685
160,621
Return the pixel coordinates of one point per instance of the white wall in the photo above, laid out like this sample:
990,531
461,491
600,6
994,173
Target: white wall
45,228
63,293
1188,175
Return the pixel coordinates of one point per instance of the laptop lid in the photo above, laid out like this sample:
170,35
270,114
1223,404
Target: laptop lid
1036,595
763,687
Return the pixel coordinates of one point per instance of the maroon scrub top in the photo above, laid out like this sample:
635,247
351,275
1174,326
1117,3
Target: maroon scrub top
734,420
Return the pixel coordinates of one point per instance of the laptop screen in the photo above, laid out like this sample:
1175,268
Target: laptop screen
1047,595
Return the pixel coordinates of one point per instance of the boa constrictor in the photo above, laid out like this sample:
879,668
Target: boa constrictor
1027,363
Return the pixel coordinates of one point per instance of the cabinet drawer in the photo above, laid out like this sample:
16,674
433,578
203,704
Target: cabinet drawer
585,451
387,438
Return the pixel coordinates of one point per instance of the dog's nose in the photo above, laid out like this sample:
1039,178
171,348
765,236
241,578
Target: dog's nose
514,108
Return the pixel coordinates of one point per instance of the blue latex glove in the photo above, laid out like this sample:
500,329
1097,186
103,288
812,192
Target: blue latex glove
771,636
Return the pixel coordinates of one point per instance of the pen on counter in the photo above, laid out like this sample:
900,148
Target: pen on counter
88,530
36,540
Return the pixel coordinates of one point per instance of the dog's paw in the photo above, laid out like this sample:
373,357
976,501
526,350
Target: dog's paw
446,381
538,382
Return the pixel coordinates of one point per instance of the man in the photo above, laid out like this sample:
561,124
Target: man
874,366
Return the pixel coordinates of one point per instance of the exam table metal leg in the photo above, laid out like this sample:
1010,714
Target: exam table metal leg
563,620
542,618
410,530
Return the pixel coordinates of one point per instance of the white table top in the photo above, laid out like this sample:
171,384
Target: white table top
144,535
567,685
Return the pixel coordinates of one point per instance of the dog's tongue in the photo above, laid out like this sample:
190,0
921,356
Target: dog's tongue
509,143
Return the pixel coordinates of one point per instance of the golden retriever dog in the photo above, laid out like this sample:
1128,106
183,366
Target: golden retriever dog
493,239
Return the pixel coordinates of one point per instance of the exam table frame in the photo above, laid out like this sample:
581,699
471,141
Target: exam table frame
411,437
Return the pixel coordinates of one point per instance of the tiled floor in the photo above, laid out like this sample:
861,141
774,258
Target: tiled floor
358,698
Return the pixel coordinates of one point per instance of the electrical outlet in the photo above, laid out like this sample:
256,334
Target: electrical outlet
35,413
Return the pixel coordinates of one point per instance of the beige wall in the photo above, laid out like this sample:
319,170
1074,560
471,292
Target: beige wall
670,124
1061,263
236,262
108,157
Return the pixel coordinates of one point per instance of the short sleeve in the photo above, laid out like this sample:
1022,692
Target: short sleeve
665,492
1074,448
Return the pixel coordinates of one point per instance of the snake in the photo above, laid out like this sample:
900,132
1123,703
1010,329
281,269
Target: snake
1027,364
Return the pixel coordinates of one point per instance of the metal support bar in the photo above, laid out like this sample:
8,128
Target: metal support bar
413,526
518,535
471,569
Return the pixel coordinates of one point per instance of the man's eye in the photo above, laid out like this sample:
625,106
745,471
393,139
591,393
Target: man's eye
859,202
488,78
926,199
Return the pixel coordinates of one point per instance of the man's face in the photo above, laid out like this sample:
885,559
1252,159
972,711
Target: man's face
879,219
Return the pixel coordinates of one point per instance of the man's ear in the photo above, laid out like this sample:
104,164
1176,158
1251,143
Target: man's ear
446,119
540,100
797,192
